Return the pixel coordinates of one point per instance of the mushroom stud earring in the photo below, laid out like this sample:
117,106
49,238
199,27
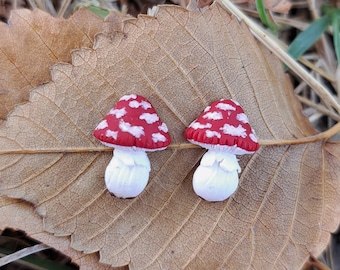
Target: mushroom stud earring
223,129
132,127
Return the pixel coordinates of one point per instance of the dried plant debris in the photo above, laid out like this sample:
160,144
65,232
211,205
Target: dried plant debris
20,251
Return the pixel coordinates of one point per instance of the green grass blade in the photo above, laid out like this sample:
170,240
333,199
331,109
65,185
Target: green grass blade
336,33
98,11
308,37
264,16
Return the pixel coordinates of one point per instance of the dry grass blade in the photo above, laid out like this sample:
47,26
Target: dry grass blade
22,253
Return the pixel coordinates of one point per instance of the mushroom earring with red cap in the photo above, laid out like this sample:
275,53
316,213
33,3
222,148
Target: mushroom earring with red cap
223,129
132,127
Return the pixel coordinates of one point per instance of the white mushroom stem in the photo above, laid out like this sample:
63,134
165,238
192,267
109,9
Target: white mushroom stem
216,178
127,174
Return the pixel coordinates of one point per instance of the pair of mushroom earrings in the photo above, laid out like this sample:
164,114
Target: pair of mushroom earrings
133,127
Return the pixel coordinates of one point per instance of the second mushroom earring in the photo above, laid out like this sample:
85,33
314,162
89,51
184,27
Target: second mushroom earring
223,129
132,127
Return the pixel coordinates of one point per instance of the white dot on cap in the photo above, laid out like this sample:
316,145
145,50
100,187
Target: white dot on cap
157,137
149,118
242,118
102,125
225,107
211,134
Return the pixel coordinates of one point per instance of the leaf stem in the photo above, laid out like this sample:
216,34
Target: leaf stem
321,136
309,139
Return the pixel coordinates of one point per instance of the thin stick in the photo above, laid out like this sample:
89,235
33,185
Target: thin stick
32,4
64,5
319,108
22,253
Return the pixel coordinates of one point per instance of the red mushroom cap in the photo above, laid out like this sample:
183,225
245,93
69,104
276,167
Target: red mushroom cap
223,126
133,122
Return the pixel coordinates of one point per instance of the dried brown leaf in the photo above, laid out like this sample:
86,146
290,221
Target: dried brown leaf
180,60
32,42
